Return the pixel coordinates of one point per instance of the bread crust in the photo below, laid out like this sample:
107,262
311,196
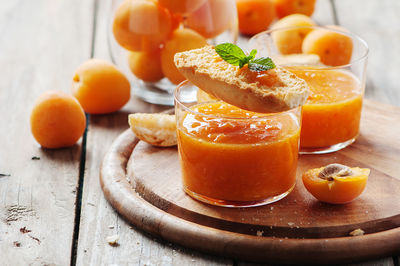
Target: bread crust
157,129
275,90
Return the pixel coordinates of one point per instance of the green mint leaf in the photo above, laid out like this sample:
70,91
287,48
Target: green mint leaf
261,64
253,53
232,54
247,59
244,61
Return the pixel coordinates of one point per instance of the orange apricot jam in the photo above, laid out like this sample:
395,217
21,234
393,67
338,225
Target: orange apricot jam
230,154
332,112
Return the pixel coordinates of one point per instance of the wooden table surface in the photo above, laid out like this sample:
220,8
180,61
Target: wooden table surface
52,210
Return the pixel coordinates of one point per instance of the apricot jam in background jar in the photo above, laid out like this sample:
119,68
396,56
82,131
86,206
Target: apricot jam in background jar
336,78
144,35
233,157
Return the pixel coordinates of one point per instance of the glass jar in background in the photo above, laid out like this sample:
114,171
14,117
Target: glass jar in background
144,35
334,67
232,157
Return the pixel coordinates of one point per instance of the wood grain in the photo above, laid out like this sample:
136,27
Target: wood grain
98,218
299,226
41,44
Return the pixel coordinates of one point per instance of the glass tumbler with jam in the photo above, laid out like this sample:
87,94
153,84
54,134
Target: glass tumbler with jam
233,157
331,115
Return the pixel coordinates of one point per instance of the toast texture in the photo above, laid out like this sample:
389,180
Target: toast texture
274,90
156,129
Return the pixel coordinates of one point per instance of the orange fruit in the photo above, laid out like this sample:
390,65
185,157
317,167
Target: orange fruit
100,87
212,18
57,120
334,48
288,7
254,15
181,40
141,25
181,6
146,65
290,41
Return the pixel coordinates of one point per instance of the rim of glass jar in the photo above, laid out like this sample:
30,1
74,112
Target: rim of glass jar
263,115
350,34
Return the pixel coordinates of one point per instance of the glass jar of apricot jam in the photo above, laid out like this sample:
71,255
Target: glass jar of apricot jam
233,157
333,63
144,36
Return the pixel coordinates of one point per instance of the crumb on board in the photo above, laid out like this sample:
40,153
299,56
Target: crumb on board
357,232
113,240
24,230
260,233
17,244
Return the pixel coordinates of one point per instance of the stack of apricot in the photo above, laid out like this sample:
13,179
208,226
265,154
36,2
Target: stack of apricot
153,31
298,35
257,15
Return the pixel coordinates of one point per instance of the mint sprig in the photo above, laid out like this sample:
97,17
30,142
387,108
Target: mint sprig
235,56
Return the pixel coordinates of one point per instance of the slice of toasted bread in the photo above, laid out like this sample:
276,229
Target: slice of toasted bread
274,90
155,129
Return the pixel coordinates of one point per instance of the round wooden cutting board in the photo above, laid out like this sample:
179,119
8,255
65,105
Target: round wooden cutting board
143,184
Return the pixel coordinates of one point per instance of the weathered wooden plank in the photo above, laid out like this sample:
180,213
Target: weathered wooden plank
98,219
377,22
41,43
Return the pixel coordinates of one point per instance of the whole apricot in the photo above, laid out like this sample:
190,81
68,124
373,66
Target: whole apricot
289,41
146,65
212,18
334,48
181,6
141,25
287,7
57,120
100,87
254,15
182,40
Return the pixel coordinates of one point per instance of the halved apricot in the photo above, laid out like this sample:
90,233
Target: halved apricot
289,41
141,25
336,183
334,48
